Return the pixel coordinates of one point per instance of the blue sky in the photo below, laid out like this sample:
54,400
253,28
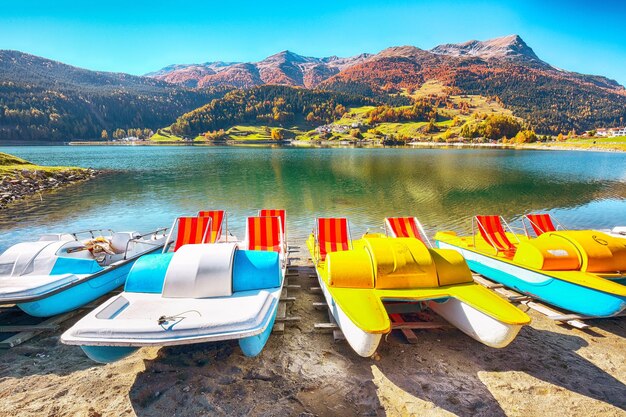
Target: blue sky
141,36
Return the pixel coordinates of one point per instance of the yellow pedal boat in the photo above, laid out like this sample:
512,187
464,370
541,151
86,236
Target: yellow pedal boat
358,277
583,271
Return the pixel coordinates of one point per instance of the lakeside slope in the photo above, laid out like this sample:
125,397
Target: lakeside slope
20,179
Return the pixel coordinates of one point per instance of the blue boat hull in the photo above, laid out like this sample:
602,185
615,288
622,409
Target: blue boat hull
78,295
250,346
563,294
253,345
108,354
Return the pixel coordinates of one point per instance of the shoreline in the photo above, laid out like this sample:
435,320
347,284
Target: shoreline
550,146
20,179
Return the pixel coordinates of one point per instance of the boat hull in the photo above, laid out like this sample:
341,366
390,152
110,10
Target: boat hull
362,342
78,295
563,294
252,346
476,324
108,354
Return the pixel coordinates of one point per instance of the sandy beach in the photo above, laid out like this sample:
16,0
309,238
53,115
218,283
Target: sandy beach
548,370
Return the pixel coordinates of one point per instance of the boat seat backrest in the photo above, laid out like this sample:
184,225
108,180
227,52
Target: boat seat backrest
403,227
119,241
275,213
217,220
256,270
332,235
492,231
192,230
200,271
541,223
264,234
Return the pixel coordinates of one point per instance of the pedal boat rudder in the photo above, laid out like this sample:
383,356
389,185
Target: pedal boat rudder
356,282
577,271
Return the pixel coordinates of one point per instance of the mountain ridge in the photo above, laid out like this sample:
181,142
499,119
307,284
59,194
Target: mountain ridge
282,67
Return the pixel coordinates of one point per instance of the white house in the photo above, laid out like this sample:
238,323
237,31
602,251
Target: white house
617,131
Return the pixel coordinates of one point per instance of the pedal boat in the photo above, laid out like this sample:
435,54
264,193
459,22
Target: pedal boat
582,271
62,272
202,292
358,277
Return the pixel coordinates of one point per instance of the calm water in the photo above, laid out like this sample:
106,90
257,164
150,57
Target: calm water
442,187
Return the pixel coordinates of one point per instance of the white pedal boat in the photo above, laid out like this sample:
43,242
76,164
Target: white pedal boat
200,293
59,273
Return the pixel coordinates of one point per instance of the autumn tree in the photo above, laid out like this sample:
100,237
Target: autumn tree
277,134
104,135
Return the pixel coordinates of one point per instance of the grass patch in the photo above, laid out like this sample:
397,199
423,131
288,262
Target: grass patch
12,165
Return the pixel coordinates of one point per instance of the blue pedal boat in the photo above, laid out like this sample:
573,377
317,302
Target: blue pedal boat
62,272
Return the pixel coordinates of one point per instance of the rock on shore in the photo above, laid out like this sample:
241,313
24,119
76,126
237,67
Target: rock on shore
20,179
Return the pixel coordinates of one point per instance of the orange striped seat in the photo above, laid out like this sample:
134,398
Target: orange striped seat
217,218
192,230
403,227
491,230
263,233
541,223
275,213
332,235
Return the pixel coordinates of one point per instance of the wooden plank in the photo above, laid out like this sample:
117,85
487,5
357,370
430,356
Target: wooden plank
319,305
28,328
281,311
287,319
278,328
24,336
288,299
397,320
528,301
293,286
325,326
316,289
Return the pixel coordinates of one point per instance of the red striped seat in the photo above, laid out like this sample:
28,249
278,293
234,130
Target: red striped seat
217,218
275,213
541,223
491,230
192,230
332,235
403,227
263,233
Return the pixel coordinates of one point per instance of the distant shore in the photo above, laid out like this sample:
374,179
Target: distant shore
20,179
565,146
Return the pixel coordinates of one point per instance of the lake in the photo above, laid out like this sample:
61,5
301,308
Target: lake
442,187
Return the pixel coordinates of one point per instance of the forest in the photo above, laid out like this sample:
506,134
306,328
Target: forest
267,105
44,100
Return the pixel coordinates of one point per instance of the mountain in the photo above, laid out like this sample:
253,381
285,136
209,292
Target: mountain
41,99
550,99
285,68
510,47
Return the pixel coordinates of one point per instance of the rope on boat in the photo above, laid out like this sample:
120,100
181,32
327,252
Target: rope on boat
164,319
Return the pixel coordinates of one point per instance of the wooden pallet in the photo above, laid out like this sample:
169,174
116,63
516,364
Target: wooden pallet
573,320
281,315
27,332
